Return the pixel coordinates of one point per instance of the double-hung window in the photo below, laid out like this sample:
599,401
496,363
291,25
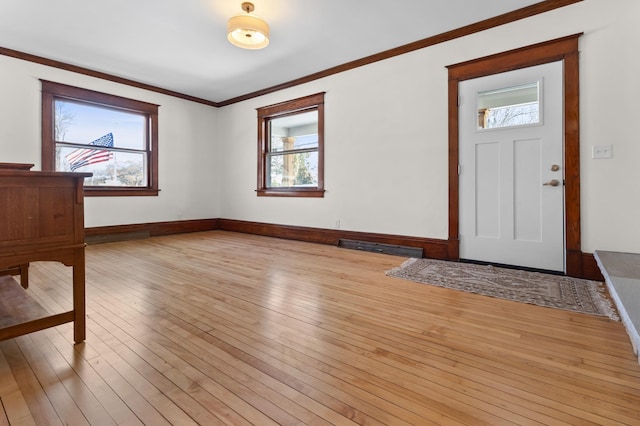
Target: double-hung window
290,148
114,138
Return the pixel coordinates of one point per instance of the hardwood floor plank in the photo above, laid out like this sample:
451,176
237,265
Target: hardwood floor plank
153,369
305,423
225,328
322,382
14,406
165,407
4,419
64,404
38,403
217,368
177,360
191,381
79,357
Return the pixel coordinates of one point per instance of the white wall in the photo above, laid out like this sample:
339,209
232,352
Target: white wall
188,160
386,137
386,134
383,166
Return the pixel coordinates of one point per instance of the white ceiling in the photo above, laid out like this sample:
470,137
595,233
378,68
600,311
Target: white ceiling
181,45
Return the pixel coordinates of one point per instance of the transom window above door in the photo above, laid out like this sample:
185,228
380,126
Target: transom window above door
509,106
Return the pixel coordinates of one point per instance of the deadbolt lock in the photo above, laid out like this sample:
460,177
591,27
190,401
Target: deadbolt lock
555,168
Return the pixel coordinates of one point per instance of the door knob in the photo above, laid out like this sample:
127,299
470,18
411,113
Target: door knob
553,182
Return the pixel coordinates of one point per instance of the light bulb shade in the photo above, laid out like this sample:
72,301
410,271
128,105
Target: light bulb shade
248,32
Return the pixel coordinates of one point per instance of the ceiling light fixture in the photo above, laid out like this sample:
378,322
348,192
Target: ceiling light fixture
248,31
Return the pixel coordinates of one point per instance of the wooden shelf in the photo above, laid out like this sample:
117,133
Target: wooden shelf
16,305
21,314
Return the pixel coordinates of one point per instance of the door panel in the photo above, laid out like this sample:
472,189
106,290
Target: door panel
510,137
527,190
488,190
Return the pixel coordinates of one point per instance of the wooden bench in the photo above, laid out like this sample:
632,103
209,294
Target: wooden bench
621,272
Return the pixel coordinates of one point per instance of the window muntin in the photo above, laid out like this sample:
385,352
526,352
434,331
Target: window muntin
291,148
112,137
509,106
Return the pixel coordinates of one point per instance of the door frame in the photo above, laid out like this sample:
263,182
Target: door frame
562,49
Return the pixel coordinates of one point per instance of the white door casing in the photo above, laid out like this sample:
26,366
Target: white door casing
507,214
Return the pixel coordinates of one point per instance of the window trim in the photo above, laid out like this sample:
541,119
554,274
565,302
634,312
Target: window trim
313,102
52,91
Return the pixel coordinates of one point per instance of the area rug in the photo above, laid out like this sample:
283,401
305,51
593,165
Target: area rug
536,288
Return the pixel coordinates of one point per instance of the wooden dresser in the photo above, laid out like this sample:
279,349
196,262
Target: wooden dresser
41,219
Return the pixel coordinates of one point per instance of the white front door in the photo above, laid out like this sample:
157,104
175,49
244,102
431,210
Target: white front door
511,168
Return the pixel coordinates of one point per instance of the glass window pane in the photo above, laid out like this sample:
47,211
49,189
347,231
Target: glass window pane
87,124
306,141
293,170
510,106
277,143
297,131
109,168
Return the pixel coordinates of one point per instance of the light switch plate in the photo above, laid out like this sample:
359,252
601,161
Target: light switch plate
602,151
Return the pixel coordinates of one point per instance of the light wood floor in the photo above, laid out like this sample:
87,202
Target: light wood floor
223,328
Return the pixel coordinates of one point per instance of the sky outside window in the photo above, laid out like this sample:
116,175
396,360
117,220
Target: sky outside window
83,123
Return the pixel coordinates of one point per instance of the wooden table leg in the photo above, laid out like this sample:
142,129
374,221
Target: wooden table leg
24,275
79,312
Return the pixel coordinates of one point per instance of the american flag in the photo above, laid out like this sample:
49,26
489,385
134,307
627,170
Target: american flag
84,156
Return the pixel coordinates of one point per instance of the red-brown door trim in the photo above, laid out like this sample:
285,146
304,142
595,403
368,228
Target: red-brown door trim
563,49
